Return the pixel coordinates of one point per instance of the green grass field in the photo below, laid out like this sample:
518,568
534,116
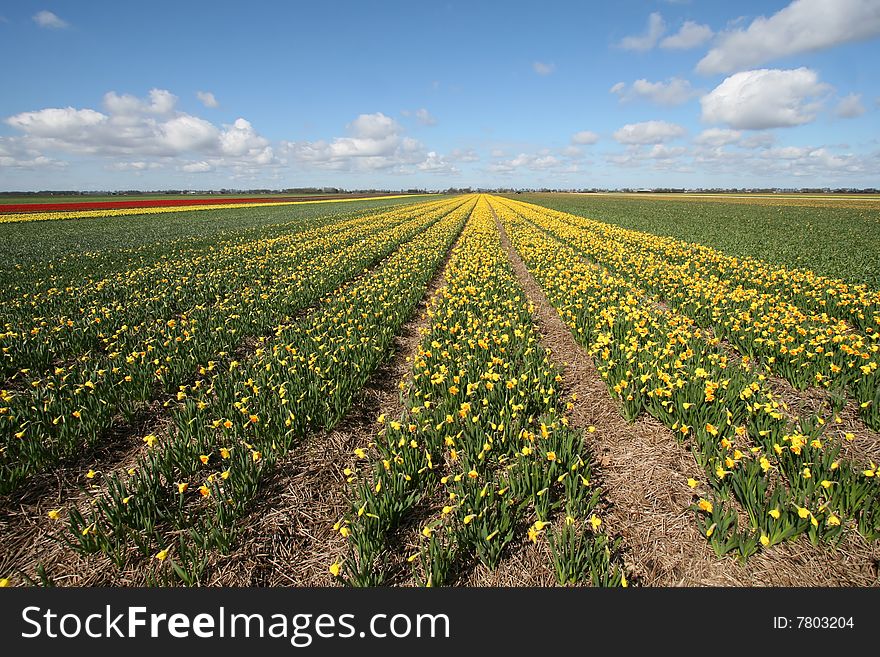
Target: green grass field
62,251
836,237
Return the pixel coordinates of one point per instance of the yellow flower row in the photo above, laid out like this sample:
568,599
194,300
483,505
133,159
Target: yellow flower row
53,414
657,361
808,348
124,212
249,413
480,433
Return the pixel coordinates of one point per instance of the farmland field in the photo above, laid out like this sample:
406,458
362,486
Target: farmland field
832,235
468,390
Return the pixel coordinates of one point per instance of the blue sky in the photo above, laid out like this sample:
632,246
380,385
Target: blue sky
117,95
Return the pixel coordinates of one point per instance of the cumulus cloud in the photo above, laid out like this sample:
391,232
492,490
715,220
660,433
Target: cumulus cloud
207,99
463,155
658,156
810,164
663,152
674,91
810,161
374,142
718,137
197,167
850,106
541,161
584,137
649,132
16,154
59,122
690,35
160,101
646,41
424,117
186,133
802,26
542,68
137,128
49,20
435,163
138,165
758,140
240,140
764,98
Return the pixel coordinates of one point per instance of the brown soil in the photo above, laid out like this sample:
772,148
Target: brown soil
643,471
290,537
865,443
25,528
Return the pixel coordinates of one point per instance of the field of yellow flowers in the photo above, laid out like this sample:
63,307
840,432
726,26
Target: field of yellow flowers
695,350
151,393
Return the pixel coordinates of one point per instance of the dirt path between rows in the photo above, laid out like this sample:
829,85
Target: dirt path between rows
643,471
290,537
28,537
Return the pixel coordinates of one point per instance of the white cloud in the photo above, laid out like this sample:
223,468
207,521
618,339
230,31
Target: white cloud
138,165
850,106
718,137
160,102
584,137
689,36
373,126
56,123
656,28
463,155
572,151
197,167
207,99
424,117
764,98
802,161
649,132
802,26
674,91
375,142
663,152
758,140
435,163
812,165
240,140
16,154
542,161
659,156
137,128
542,68
187,133
49,20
